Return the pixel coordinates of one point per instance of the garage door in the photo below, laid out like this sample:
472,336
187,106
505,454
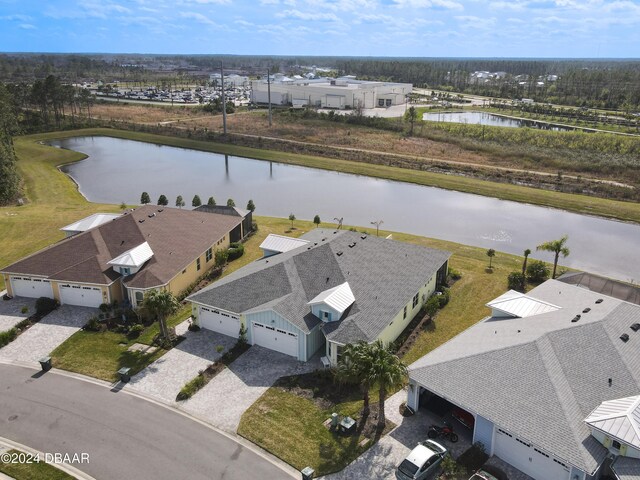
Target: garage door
275,339
221,322
31,287
81,295
528,459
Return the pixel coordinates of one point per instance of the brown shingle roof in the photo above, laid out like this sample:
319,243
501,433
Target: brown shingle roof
176,237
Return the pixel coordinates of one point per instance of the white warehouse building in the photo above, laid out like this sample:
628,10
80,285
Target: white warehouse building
339,93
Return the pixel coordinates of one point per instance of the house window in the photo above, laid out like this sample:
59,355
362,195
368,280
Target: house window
198,264
325,316
139,297
125,270
381,102
404,315
415,300
209,255
615,444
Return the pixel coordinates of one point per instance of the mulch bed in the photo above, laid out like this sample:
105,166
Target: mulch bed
410,334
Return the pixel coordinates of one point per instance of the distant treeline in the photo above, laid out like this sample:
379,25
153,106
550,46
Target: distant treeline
598,83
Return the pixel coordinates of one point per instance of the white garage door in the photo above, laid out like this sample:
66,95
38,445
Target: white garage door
275,339
81,295
221,322
31,287
528,459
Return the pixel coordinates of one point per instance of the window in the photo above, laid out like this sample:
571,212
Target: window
381,102
139,297
125,270
404,315
325,316
415,300
209,255
198,264
615,444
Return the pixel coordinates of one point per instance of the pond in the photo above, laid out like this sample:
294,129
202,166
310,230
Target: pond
483,118
120,170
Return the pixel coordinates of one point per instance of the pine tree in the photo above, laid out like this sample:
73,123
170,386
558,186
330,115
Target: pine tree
211,202
145,198
196,202
251,206
231,203
162,200
179,201
9,178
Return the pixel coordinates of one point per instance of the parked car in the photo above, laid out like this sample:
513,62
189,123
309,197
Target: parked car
422,462
464,417
482,475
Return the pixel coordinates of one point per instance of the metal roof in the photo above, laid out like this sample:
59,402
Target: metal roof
339,298
618,418
90,222
281,244
134,257
520,305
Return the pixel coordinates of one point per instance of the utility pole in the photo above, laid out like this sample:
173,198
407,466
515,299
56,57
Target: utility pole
224,102
269,94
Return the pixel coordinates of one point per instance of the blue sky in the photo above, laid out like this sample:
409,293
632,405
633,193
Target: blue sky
422,28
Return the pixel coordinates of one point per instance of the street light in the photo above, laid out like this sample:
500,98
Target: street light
377,224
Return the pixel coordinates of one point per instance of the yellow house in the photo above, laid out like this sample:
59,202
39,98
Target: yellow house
324,290
120,258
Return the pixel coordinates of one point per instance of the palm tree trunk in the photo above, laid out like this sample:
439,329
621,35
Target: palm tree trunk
524,265
555,265
163,327
381,417
365,406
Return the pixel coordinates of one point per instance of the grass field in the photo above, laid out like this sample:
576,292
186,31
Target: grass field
32,471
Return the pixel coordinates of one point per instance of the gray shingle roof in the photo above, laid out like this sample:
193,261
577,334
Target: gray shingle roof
626,468
540,377
383,275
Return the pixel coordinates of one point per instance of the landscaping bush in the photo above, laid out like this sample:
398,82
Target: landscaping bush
192,386
516,281
93,325
432,305
242,337
221,257
104,308
454,274
8,336
537,271
45,305
136,330
236,250
444,298
22,324
24,310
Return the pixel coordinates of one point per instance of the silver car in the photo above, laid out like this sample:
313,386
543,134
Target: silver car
422,462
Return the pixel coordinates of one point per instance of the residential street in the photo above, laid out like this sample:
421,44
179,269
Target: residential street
124,435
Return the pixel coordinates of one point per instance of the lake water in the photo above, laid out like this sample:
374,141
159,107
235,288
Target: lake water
120,170
483,118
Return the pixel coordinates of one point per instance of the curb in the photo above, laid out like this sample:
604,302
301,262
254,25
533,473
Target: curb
65,467
285,467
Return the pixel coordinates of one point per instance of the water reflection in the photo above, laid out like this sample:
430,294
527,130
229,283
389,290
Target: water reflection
483,118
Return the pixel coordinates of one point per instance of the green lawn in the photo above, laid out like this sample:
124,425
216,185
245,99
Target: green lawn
32,471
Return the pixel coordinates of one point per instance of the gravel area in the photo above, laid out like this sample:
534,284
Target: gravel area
42,338
166,376
228,395
10,311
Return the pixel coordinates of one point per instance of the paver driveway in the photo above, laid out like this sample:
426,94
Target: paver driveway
166,376
42,338
10,311
228,395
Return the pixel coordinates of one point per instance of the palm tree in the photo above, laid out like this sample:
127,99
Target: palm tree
491,253
161,304
292,218
387,372
527,252
354,367
558,247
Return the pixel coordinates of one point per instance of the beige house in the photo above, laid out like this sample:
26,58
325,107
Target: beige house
150,247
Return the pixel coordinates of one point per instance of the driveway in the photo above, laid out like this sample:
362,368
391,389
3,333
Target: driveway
381,460
230,393
10,311
166,376
43,337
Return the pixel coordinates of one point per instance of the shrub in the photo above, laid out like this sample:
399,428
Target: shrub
8,336
449,466
24,310
104,307
254,227
22,324
432,305
192,386
136,328
444,298
235,251
454,274
537,271
221,257
516,281
242,337
45,305
93,325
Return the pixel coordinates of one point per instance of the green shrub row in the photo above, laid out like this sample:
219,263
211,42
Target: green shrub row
8,336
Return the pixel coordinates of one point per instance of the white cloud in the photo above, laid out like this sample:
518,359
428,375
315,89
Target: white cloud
445,4
27,26
16,17
297,14
198,17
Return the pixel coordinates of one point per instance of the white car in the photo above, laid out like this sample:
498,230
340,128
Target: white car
422,462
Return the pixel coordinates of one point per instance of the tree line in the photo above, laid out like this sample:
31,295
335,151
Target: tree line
9,178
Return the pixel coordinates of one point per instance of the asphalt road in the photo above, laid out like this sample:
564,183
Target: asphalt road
124,435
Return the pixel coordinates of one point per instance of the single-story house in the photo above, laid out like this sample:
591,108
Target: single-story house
326,289
146,248
551,378
243,229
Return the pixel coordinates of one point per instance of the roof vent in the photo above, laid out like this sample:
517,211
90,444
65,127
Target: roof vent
624,337
335,233
599,300
151,215
352,244
141,220
363,237
324,239
575,319
308,248
316,243
339,254
635,327
586,310
122,243
160,209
